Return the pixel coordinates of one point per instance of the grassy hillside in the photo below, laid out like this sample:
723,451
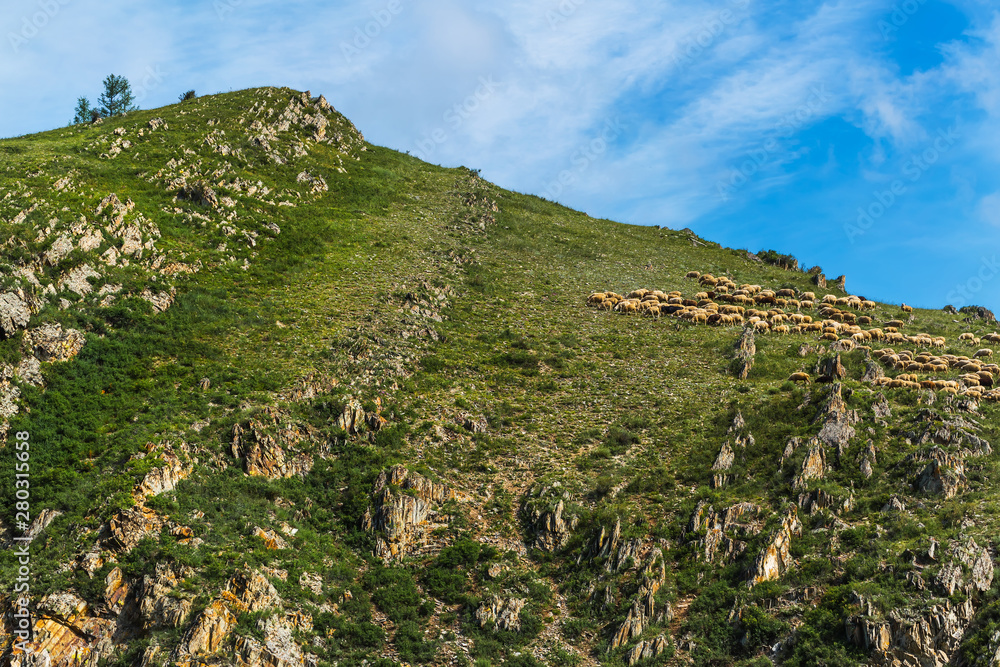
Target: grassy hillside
343,406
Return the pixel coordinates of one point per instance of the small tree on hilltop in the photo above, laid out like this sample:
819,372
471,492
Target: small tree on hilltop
83,111
117,98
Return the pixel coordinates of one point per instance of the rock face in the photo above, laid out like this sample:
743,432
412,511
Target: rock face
904,638
165,478
746,348
130,525
943,475
838,421
159,606
278,648
396,518
270,538
643,608
50,343
646,650
546,511
268,446
774,559
726,532
503,613
14,313
245,592
832,369
813,466
724,461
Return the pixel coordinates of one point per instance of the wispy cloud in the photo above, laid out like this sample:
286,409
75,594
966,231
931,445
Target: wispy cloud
702,91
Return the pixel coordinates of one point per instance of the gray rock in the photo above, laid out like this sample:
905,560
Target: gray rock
14,313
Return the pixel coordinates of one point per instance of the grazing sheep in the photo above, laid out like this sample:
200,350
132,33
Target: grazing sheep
907,309
693,274
984,353
969,336
799,377
894,324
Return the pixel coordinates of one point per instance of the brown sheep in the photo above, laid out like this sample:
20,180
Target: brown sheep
984,353
907,309
799,377
693,274
968,336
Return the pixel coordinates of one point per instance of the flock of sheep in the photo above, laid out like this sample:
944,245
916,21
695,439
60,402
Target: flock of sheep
724,303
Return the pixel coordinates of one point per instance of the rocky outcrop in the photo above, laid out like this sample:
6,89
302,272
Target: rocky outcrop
725,458
245,592
160,606
271,539
278,648
269,446
129,526
501,613
50,343
838,422
775,559
726,532
545,510
643,608
402,503
165,478
931,638
14,313
967,567
831,369
818,499
746,348
813,466
944,474
647,650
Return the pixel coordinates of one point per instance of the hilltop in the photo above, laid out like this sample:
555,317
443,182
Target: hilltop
292,398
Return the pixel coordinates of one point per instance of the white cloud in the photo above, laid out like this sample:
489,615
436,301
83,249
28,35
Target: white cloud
989,209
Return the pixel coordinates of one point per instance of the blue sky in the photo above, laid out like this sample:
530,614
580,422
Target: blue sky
862,136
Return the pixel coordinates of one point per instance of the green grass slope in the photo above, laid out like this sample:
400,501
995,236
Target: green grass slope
376,386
